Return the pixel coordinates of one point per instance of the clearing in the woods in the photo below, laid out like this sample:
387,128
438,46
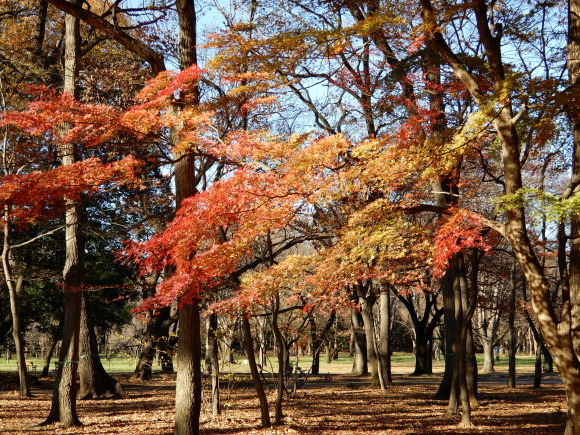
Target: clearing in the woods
333,402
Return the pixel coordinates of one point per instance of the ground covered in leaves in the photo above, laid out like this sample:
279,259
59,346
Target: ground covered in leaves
339,404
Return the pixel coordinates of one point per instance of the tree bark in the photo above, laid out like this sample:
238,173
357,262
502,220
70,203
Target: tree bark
188,383
366,303
94,382
212,350
385,335
264,410
48,357
281,356
511,381
63,407
360,364
13,290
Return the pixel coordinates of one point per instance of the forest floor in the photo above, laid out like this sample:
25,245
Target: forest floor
327,404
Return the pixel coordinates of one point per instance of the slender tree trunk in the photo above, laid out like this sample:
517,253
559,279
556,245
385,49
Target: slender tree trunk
212,350
48,357
63,407
264,410
511,381
281,354
316,344
13,290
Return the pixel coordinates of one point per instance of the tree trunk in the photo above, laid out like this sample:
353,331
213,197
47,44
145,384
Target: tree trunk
360,364
13,290
213,353
63,408
265,413
488,357
423,353
94,382
282,363
366,305
511,381
385,335
157,329
189,387
188,382
445,386
48,357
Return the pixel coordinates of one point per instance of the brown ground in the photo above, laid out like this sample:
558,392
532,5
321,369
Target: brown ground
326,405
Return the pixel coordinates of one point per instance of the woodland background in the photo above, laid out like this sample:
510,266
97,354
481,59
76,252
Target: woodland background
183,181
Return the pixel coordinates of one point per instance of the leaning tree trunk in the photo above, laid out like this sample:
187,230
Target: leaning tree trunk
94,382
63,408
48,357
249,342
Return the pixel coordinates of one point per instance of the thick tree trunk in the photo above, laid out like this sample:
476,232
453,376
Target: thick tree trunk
360,364
488,356
445,386
423,353
366,305
157,330
188,382
264,410
384,349
188,386
94,382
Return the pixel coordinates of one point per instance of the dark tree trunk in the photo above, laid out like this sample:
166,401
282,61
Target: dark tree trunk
188,383
444,390
48,357
264,410
63,407
94,382
157,330
212,352
281,353
423,353
316,344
